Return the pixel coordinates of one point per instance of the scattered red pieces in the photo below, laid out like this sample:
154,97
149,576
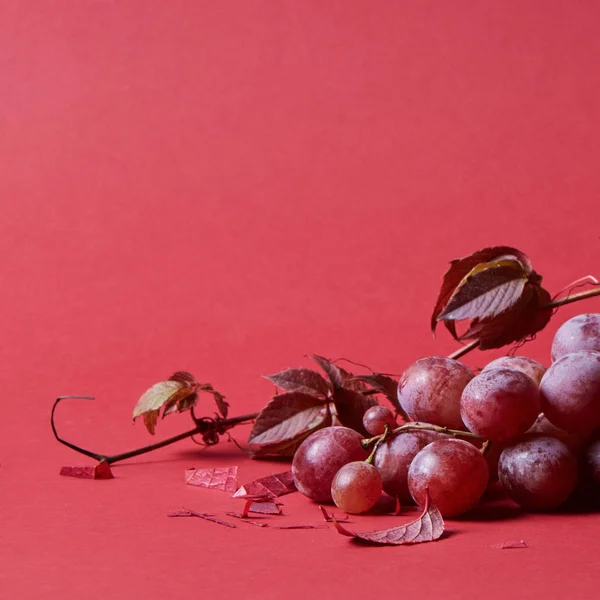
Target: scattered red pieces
271,485
224,479
331,518
207,517
99,471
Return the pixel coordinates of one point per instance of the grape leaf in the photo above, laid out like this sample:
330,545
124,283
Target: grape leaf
159,395
384,385
286,419
301,380
428,527
488,290
461,267
333,372
183,377
351,407
99,471
271,485
224,479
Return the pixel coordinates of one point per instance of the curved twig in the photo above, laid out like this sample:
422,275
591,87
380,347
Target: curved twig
204,427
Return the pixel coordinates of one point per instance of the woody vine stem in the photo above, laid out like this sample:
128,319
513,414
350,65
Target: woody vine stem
211,428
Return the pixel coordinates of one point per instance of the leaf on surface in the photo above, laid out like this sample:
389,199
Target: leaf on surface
511,545
272,486
428,527
351,407
224,479
99,471
286,419
305,381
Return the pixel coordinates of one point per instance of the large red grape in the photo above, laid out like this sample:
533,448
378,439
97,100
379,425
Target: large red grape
526,365
429,390
500,404
538,472
570,392
320,456
453,471
579,333
574,439
393,458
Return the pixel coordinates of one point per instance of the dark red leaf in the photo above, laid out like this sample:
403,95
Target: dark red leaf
301,380
99,471
265,508
333,372
488,290
183,377
190,513
351,406
428,527
329,518
296,527
387,386
287,419
271,485
224,479
460,267
222,405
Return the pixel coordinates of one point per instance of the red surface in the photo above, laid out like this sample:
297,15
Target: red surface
224,187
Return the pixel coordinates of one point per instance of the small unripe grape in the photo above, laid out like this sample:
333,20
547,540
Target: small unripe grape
320,456
570,392
430,389
538,472
526,365
454,473
356,487
376,418
579,333
500,404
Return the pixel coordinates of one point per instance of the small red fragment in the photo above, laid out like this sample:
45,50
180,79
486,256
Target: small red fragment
271,485
99,471
511,545
224,479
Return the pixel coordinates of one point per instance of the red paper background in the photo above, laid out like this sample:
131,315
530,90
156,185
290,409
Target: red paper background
226,186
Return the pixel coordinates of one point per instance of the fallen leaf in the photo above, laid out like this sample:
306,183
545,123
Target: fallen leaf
224,479
302,380
428,527
99,471
286,420
297,527
271,485
265,508
245,519
329,518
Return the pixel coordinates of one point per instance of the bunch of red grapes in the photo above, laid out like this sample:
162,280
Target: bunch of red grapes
535,430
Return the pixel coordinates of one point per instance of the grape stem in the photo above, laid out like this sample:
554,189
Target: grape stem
382,438
208,428
366,443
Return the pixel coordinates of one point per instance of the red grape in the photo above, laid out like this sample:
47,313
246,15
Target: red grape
376,418
590,464
430,389
538,472
573,440
320,456
526,365
453,471
356,487
499,404
579,333
570,392
393,458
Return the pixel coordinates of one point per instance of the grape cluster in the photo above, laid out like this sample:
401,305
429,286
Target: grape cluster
535,430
